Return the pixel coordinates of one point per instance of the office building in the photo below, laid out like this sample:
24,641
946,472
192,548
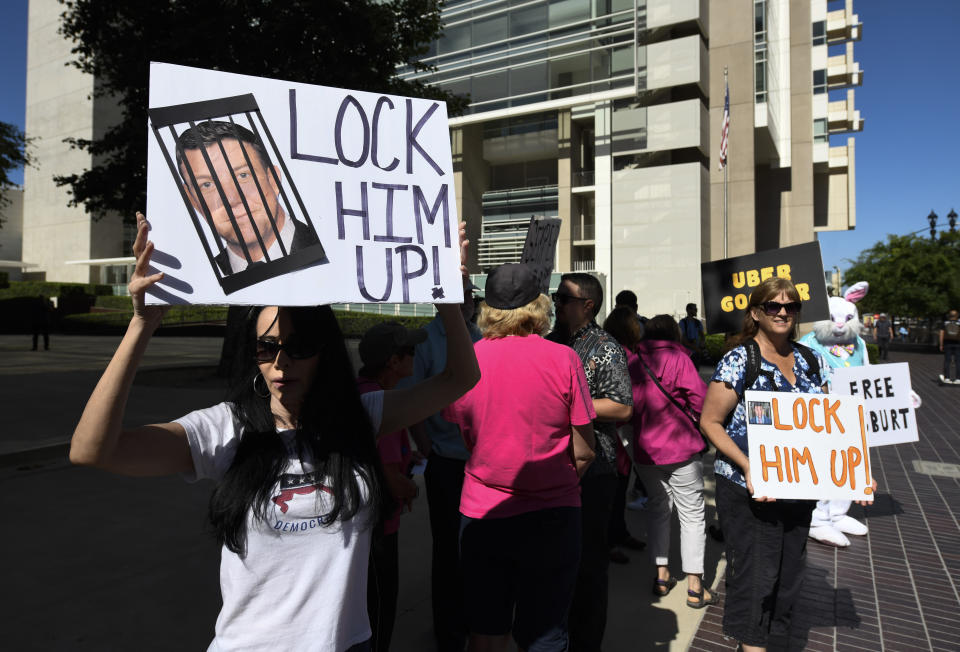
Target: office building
607,113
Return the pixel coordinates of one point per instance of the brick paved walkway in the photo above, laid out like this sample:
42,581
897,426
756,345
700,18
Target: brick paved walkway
894,589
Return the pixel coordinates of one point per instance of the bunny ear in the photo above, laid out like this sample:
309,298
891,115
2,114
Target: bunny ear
856,291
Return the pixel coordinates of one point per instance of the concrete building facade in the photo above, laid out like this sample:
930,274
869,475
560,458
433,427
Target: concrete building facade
60,105
607,113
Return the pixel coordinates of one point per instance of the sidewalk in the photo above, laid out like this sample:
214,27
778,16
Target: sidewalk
95,561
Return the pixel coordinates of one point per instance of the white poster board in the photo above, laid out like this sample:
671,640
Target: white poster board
807,446
888,409
354,204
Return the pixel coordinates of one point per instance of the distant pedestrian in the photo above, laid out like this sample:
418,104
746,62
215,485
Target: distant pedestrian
882,332
950,346
903,331
42,313
692,336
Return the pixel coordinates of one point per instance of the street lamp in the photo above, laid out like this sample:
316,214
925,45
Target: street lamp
932,218
952,216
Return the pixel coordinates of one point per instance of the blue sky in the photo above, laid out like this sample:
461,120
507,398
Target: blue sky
907,156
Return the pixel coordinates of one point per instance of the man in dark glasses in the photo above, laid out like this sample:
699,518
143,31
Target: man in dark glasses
577,302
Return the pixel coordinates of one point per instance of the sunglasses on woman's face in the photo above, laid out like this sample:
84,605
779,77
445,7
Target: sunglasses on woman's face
773,308
268,350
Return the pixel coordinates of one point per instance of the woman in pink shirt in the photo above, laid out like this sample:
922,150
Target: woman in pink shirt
667,397
528,426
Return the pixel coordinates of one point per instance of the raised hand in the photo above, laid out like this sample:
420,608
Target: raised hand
140,281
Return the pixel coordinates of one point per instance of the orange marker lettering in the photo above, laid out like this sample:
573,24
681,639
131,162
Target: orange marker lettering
776,418
833,468
813,426
803,458
764,464
831,411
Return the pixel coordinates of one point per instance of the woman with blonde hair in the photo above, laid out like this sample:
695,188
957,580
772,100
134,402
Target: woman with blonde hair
766,540
528,425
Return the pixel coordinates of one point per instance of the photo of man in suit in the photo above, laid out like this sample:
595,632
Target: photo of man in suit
760,414
229,176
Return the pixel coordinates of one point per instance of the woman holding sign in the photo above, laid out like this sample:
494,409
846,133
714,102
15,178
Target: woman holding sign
293,453
765,540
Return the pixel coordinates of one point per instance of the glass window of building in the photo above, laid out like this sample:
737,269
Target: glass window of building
820,134
819,33
819,81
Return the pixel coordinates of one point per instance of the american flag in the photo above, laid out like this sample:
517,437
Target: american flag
725,128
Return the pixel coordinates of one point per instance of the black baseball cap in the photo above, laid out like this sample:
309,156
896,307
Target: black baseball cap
511,286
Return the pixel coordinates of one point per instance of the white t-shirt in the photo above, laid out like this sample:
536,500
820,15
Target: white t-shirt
301,585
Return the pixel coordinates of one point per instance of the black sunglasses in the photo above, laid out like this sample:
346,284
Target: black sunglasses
268,350
773,308
561,298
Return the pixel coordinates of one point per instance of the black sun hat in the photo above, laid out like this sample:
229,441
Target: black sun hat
511,286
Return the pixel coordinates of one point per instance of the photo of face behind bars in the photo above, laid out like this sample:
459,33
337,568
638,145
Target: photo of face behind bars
229,182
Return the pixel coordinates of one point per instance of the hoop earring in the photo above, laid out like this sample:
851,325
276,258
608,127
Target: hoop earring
266,390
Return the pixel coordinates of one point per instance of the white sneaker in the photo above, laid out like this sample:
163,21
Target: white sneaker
954,382
850,525
944,381
829,535
638,504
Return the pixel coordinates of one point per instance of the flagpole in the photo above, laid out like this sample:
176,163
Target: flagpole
725,254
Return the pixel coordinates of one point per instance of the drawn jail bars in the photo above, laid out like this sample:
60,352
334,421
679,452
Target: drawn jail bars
222,167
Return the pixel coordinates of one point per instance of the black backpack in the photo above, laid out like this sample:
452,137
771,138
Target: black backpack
753,370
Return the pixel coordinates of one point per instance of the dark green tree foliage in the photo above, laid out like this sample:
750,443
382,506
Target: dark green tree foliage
14,154
354,44
910,275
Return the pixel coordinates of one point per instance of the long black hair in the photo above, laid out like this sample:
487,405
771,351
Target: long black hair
333,433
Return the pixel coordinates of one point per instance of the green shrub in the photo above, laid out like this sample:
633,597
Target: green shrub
716,346
355,324
873,352
4,279
113,302
52,289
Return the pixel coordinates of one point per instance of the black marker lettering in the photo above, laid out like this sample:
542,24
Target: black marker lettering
389,236
413,132
436,265
405,273
888,386
361,283
362,213
293,136
338,132
376,136
431,213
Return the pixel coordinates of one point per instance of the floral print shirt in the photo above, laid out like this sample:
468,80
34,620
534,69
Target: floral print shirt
731,370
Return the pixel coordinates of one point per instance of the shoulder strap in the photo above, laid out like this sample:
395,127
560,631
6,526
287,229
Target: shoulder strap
812,362
695,420
753,369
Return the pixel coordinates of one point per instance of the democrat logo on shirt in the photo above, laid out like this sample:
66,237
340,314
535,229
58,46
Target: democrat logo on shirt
306,513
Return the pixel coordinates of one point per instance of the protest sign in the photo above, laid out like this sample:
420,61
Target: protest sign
808,446
727,284
887,402
261,191
540,248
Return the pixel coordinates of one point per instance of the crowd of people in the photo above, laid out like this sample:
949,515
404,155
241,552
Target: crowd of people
529,434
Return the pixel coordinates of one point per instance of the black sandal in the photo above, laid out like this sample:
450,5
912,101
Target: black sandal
663,587
700,602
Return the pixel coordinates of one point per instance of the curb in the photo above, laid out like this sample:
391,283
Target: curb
33,455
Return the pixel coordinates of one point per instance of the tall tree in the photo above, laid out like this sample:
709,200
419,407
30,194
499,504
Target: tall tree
910,275
355,44
14,154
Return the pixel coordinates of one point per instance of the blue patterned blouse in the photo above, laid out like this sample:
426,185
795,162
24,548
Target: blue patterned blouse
731,370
